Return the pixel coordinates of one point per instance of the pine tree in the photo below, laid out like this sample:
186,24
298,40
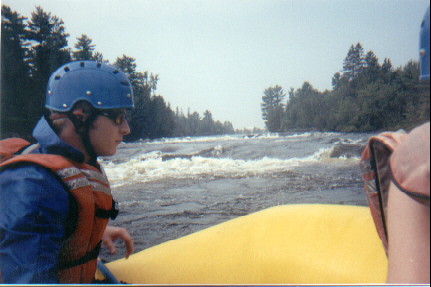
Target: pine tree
152,117
372,67
387,66
84,49
194,124
98,57
140,116
303,108
272,107
138,80
208,123
153,82
15,75
49,51
354,62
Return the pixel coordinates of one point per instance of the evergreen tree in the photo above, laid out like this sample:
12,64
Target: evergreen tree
138,80
366,97
140,116
194,124
99,57
416,94
208,123
49,52
153,82
84,49
303,109
152,117
372,67
15,75
180,124
387,66
228,128
161,119
128,66
273,108
50,49
26,70
354,62
387,71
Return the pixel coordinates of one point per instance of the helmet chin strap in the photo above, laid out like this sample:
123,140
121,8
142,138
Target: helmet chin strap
82,128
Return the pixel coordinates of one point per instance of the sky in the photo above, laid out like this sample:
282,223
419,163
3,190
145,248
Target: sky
220,55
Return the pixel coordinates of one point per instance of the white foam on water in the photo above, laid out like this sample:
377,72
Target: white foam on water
225,138
152,167
192,140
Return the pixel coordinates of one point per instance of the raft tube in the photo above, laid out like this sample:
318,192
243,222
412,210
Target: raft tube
290,244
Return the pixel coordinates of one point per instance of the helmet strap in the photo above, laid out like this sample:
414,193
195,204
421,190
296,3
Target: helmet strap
82,128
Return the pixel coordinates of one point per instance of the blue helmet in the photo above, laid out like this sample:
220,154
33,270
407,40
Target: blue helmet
424,46
102,85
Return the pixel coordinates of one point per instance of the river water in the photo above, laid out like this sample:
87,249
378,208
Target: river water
169,188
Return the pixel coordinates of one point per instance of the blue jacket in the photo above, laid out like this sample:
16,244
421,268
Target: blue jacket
34,209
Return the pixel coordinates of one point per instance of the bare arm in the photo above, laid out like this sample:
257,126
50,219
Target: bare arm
409,239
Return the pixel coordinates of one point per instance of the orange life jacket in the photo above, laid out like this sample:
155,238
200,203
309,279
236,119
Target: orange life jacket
90,187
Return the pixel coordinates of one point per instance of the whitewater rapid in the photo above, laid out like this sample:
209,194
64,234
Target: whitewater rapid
217,157
169,188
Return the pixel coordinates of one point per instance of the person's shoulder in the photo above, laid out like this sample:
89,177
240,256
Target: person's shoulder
30,188
421,132
29,177
24,169
410,162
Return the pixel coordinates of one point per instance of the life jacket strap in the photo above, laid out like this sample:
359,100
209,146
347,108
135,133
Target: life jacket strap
106,214
93,254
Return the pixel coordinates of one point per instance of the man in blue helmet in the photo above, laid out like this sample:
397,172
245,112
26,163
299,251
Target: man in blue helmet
55,199
396,171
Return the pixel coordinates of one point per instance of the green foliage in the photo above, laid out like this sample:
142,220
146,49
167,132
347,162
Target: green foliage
32,51
273,108
49,43
354,62
194,125
151,118
15,71
304,108
84,49
366,97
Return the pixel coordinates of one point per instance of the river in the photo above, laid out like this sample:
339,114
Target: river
169,188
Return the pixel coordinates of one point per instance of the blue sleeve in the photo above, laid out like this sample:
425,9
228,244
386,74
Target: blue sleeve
33,210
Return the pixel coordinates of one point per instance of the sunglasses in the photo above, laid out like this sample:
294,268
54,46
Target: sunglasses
117,117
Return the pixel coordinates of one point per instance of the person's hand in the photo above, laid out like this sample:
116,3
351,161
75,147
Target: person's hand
111,234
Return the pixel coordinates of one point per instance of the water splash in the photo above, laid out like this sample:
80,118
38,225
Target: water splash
152,167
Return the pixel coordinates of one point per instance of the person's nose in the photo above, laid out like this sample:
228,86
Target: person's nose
124,128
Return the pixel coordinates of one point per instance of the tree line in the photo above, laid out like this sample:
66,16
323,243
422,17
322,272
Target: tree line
366,96
32,49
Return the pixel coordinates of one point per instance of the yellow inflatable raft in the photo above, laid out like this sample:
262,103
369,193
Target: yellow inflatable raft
291,244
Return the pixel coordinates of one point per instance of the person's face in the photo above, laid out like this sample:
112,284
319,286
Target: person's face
106,133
